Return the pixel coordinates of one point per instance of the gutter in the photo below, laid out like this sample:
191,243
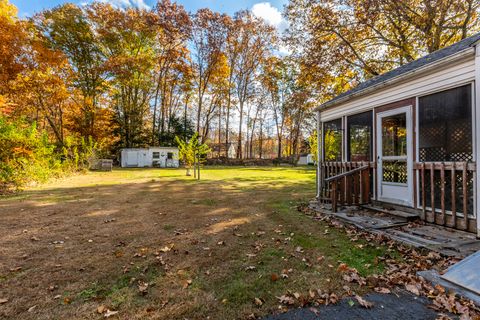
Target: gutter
457,56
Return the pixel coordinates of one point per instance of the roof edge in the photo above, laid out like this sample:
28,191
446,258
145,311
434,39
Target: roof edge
451,58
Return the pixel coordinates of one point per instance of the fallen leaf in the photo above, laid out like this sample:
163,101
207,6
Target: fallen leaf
274,277
382,290
34,238
258,302
186,283
286,300
110,313
32,308
3,300
364,303
440,288
314,311
342,267
412,288
143,287
101,309
167,248
250,268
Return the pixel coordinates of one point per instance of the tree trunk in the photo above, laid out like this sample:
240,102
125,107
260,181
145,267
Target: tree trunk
260,141
239,146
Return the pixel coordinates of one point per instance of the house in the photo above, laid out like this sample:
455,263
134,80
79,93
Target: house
305,159
223,150
408,139
161,157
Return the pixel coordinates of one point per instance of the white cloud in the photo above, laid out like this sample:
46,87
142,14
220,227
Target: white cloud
128,3
270,14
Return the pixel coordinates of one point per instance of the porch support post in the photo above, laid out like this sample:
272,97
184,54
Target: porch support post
320,174
476,125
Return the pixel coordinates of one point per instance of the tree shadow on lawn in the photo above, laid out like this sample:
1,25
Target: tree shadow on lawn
69,250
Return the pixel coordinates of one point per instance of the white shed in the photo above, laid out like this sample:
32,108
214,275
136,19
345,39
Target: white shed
160,157
306,159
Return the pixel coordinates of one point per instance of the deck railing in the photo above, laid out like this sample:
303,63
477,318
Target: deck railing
346,183
446,193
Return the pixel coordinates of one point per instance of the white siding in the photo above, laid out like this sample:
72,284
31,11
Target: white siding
451,75
143,157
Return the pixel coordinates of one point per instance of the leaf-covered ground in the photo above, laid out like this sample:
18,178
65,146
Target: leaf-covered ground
138,244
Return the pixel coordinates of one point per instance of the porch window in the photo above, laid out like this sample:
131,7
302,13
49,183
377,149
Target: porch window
333,140
359,141
445,134
445,125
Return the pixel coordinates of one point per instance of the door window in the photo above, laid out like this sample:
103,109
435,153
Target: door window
394,149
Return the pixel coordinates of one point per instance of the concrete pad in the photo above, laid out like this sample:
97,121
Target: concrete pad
434,277
466,273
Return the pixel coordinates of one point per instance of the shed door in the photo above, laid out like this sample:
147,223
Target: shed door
395,156
132,159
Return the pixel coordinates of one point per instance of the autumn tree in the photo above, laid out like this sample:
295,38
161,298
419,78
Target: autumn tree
12,39
278,80
208,41
128,41
254,40
172,70
231,53
41,90
342,42
67,28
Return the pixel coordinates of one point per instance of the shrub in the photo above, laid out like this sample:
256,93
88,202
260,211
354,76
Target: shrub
25,155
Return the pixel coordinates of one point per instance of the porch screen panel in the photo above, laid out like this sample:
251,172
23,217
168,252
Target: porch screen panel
333,140
359,140
445,134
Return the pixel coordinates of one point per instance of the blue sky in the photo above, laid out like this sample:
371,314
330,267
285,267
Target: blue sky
267,8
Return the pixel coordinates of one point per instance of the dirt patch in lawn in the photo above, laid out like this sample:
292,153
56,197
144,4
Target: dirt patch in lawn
155,244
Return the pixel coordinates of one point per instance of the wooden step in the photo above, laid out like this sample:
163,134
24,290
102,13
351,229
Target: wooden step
402,214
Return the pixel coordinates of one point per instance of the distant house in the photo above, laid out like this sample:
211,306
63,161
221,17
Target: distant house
223,150
305,159
408,138
160,157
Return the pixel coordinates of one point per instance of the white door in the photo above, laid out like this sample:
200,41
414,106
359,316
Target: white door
132,159
394,156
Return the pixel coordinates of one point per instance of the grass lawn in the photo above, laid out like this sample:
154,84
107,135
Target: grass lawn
152,243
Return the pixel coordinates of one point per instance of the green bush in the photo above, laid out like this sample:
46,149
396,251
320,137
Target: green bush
27,156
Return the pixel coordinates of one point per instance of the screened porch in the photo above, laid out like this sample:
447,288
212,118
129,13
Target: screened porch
417,153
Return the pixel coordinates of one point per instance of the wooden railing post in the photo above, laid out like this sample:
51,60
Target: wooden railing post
453,177
432,193
424,195
334,196
442,194
465,194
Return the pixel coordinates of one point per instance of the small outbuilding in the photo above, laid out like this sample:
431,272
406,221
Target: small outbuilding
305,159
158,157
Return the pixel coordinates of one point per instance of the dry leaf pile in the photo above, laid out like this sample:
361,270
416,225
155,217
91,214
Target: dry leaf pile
399,273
